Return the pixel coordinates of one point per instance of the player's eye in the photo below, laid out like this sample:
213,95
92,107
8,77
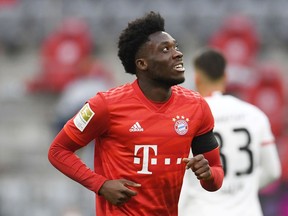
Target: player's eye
177,47
165,49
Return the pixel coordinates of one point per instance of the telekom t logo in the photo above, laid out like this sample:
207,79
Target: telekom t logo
145,159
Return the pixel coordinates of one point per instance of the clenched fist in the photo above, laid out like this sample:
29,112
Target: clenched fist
199,165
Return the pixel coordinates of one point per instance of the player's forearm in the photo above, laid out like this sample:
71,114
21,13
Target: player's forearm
217,173
216,180
61,155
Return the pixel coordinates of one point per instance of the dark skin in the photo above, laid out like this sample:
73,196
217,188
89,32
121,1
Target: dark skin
200,166
159,66
156,61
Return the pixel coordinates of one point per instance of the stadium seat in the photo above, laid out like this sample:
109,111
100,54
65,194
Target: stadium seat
64,55
237,39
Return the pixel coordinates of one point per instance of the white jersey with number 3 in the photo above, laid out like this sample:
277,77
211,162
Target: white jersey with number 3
249,158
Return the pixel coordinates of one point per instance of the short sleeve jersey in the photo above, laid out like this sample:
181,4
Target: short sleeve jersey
241,129
141,142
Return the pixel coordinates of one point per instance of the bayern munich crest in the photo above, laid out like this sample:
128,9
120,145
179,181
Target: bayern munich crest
181,124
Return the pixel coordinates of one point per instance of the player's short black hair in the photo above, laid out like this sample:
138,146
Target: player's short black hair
211,62
135,35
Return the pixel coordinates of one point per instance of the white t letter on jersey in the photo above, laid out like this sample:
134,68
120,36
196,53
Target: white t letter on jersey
145,156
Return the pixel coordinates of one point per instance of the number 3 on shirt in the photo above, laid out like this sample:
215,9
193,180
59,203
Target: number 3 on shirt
243,149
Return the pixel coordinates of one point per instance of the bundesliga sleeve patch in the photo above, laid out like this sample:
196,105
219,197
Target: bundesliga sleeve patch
83,117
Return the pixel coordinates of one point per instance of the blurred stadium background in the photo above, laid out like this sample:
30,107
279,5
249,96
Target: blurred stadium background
54,54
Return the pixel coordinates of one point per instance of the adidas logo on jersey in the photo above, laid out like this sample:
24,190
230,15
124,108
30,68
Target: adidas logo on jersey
136,128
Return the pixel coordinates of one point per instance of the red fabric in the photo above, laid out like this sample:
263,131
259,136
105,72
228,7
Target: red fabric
61,155
216,168
141,142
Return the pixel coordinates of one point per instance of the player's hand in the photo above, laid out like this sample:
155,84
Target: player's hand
200,166
117,192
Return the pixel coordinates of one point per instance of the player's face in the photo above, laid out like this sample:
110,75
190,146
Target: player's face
164,60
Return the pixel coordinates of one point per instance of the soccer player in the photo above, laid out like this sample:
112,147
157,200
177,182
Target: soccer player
143,131
248,152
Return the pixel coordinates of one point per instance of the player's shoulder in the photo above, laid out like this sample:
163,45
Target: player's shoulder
186,93
118,93
247,107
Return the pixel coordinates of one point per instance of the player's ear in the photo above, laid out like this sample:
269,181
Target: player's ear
141,64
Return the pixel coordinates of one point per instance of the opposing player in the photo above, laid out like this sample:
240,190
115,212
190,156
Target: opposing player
143,131
248,152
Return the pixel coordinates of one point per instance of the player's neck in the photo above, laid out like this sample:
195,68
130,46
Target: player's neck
209,90
156,94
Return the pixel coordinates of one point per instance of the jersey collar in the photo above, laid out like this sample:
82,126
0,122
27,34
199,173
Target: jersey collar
156,107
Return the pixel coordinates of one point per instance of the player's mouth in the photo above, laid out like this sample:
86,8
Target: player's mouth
179,67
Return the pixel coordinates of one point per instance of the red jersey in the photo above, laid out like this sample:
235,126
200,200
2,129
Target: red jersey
142,142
